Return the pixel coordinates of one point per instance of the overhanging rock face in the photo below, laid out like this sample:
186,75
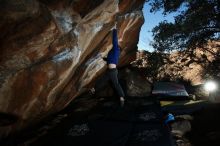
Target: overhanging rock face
52,50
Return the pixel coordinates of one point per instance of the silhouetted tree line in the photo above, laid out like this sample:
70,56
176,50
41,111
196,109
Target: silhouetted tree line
196,23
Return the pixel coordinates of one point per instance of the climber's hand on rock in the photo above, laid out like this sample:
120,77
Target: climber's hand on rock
115,26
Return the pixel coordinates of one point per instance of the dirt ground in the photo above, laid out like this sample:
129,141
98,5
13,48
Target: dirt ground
206,126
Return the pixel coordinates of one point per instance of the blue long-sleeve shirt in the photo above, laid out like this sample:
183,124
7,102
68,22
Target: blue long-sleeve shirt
114,53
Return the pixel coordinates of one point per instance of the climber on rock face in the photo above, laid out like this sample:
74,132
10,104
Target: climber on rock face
112,61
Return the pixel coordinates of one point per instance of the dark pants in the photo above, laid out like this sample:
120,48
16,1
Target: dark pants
113,76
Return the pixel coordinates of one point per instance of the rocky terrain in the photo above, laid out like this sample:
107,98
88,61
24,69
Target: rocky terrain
194,66
191,68
51,52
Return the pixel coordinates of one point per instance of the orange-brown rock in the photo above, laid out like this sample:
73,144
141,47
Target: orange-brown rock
50,51
194,66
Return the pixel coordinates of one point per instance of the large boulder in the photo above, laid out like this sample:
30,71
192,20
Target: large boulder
52,50
137,84
132,81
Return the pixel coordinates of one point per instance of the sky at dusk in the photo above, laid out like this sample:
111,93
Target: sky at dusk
151,20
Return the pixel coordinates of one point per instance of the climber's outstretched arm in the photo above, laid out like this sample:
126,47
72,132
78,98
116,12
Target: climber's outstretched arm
115,39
